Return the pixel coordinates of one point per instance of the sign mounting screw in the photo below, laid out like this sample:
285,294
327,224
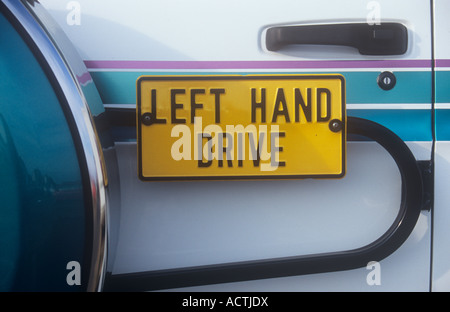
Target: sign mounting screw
335,125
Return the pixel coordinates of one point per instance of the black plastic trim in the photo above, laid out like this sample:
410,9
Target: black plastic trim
383,39
411,205
115,117
427,172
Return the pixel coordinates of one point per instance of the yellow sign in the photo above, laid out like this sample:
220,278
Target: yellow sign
241,127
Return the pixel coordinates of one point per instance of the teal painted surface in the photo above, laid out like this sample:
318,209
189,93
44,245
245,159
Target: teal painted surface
42,217
442,116
362,87
93,99
442,124
411,87
409,125
442,86
11,182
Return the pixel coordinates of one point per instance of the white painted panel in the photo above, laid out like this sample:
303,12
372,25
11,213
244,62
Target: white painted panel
441,213
178,224
442,29
407,270
223,30
441,218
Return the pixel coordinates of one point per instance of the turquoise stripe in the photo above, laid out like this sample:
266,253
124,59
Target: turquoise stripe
92,98
442,124
116,87
362,88
409,125
442,116
442,87
411,87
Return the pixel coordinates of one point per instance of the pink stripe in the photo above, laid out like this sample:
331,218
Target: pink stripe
84,79
256,64
442,63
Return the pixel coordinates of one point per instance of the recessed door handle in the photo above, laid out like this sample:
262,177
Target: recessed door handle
383,39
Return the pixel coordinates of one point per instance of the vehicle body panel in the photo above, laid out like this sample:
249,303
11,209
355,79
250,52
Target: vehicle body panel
440,277
185,224
163,226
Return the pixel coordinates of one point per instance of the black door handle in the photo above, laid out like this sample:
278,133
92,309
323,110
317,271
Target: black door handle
383,39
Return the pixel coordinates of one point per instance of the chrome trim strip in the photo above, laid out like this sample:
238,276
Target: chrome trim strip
86,129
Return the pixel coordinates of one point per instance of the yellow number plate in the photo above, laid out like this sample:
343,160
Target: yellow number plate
241,127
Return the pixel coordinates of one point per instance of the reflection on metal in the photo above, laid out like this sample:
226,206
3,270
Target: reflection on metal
88,143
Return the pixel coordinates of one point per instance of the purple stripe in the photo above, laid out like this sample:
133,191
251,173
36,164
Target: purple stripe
84,79
442,63
256,64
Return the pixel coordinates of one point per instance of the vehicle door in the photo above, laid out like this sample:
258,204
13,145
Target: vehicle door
368,230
